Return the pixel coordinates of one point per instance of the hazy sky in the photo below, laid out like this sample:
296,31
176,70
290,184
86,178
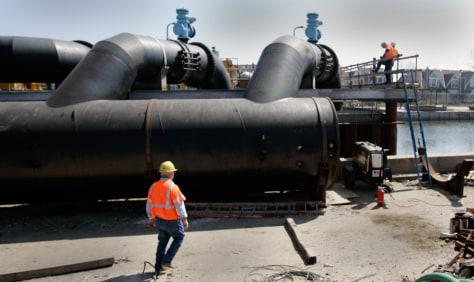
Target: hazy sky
440,31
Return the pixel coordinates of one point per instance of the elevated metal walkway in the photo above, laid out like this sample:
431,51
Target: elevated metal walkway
363,75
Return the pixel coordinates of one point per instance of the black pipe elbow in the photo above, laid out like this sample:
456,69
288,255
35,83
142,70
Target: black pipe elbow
288,64
113,66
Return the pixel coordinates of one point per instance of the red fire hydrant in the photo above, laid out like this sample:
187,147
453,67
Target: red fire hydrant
380,195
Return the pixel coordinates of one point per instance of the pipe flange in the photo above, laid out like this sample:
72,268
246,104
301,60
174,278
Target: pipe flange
187,74
335,62
211,67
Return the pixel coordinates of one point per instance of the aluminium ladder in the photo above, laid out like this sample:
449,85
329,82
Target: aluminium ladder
415,148
252,209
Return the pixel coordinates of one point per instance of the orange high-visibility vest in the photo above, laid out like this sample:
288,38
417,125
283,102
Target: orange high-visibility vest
163,197
390,52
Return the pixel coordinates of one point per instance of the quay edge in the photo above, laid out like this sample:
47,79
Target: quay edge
450,113
405,164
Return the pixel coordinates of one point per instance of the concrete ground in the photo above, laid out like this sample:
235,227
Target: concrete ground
359,241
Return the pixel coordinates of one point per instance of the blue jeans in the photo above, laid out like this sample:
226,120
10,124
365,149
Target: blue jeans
166,230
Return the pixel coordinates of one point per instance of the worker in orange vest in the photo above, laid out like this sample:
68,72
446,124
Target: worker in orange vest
388,63
166,211
395,51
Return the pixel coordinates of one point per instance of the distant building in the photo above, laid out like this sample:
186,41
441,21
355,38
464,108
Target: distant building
428,80
448,81
467,82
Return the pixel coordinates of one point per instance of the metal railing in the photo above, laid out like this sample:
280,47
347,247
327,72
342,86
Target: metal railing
364,75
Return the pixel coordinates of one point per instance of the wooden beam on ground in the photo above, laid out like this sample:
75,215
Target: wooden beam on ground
292,229
455,258
56,270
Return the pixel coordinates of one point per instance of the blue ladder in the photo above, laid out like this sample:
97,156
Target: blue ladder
415,149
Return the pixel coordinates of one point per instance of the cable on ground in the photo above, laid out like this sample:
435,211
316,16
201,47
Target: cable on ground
285,273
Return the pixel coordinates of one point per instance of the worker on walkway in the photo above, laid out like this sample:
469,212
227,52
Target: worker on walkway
166,211
395,51
388,63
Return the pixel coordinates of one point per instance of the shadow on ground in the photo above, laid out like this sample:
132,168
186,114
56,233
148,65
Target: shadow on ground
147,276
47,221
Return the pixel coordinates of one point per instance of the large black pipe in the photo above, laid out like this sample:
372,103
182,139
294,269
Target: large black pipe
113,65
283,65
216,144
28,59
105,145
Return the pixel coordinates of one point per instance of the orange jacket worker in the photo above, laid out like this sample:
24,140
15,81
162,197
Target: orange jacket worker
166,211
395,51
388,63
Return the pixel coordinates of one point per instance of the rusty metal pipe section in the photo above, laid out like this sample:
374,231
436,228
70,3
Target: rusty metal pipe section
225,143
283,65
29,59
114,65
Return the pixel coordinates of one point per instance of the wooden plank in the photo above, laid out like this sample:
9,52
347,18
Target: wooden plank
56,270
291,227
447,244
333,198
344,192
455,258
338,195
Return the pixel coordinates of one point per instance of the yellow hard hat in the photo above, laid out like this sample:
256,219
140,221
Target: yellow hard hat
167,166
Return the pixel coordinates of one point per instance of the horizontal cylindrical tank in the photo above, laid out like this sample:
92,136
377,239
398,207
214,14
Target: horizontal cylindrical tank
215,143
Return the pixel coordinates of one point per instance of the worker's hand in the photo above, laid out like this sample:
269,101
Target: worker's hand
185,223
151,222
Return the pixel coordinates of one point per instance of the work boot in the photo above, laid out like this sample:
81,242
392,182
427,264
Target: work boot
167,265
155,276
161,269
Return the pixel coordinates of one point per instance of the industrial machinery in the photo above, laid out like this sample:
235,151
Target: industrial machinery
369,164
112,119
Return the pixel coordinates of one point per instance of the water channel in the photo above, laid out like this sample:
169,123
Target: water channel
442,137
